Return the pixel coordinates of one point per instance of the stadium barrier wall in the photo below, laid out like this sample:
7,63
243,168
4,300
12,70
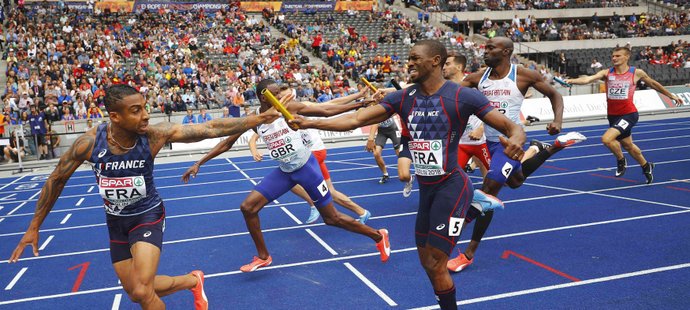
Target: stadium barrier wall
594,105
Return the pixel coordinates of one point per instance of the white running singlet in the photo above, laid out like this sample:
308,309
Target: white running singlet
505,96
312,139
472,123
284,145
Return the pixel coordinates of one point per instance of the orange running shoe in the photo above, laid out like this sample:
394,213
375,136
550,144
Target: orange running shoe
200,300
256,264
459,263
384,245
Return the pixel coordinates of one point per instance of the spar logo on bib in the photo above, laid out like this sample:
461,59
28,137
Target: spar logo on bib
427,157
121,192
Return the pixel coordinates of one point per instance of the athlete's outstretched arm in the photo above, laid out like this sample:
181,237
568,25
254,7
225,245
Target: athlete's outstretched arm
654,84
588,79
371,115
324,109
220,148
69,162
341,100
253,149
537,81
516,135
161,133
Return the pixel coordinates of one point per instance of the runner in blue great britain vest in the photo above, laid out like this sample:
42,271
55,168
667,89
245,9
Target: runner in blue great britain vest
435,112
296,166
121,154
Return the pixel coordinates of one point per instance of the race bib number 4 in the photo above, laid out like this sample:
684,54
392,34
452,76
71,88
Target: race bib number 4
121,192
427,157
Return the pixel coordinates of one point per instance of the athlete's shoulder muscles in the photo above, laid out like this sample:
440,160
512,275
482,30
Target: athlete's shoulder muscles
641,75
158,135
472,80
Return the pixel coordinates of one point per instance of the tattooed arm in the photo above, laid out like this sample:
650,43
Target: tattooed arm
161,133
69,162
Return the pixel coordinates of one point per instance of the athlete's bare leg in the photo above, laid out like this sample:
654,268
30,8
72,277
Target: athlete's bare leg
332,217
139,279
404,164
633,150
609,140
250,207
379,160
344,200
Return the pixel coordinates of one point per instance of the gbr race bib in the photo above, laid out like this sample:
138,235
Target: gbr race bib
121,192
427,157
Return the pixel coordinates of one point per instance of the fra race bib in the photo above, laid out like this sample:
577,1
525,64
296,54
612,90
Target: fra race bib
427,157
121,192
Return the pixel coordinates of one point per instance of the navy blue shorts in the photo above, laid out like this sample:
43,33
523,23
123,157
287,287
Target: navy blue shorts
125,231
624,123
277,183
442,210
501,166
405,148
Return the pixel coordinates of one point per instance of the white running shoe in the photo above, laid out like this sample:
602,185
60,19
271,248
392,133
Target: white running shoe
407,191
569,139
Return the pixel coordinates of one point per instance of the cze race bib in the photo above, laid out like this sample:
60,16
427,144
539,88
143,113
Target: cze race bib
121,192
427,157
618,91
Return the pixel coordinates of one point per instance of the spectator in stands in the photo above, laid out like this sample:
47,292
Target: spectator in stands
203,117
226,112
4,121
25,102
52,113
189,118
39,124
94,111
12,152
53,144
596,64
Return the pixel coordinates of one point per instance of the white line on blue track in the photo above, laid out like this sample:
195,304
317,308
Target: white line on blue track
323,243
371,285
64,220
45,243
16,278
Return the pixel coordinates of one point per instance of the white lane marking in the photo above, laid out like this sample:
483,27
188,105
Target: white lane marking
90,189
15,181
371,285
45,243
116,302
64,220
16,278
79,202
323,243
566,285
246,176
23,203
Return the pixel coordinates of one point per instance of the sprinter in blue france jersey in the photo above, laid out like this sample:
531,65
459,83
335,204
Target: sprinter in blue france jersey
121,154
435,112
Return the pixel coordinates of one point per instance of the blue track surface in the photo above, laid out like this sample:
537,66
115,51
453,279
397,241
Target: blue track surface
626,242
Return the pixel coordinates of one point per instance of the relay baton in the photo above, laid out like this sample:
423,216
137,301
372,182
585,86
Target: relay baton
562,82
372,87
276,104
395,84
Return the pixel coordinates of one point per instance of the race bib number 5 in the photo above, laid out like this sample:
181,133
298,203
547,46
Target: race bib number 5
427,157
